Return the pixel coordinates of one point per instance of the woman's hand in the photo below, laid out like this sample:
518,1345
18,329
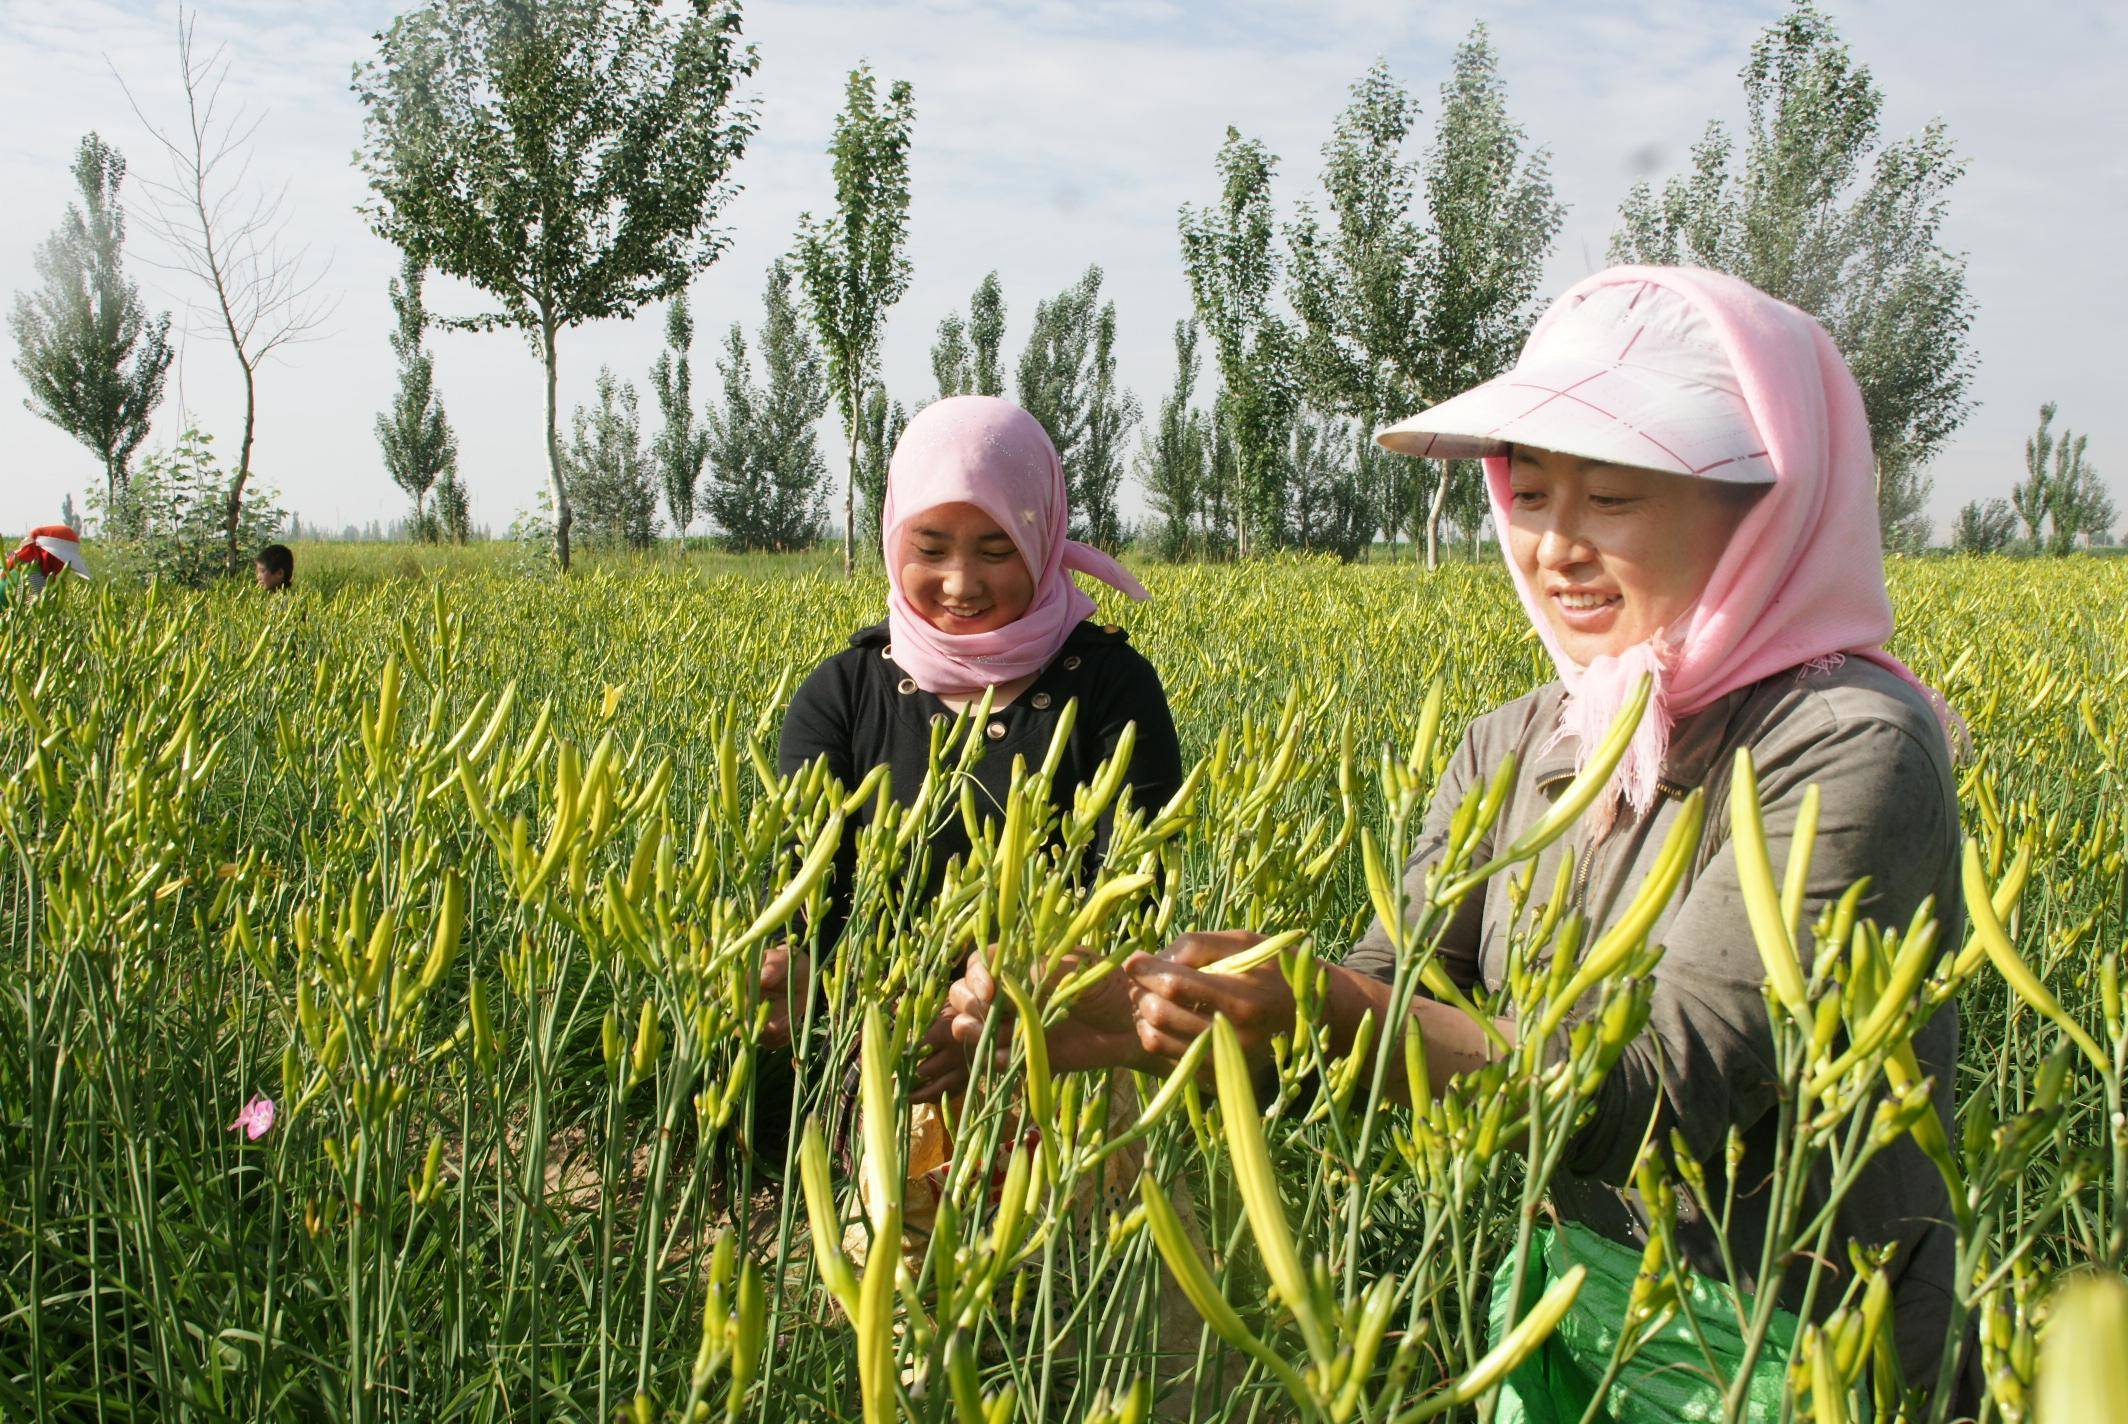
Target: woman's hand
1176,1000
943,1068
1098,1031
786,980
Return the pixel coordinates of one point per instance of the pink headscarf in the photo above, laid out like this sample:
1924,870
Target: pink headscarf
1802,580
988,452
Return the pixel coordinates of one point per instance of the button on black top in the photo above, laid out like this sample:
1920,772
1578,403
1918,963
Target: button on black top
852,711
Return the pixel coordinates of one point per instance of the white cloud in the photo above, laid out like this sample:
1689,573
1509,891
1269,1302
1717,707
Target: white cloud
1054,134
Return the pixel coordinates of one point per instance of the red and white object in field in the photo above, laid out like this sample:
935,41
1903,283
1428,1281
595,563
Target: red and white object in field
51,548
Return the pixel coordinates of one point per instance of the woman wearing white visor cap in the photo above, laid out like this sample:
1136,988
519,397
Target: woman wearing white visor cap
1680,470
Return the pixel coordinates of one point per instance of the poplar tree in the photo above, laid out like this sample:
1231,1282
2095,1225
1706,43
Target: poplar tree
568,158
616,483
880,422
1111,414
95,361
986,337
1489,200
1067,381
2064,492
851,262
2029,497
1984,528
679,447
951,358
1422,284
1230,253
1820,212
1051,383
414,435
454,512
964,358
733,450
1329,512
1172,457
767,479
1359,284
796,395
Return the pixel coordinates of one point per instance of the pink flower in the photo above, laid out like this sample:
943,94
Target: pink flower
256,1119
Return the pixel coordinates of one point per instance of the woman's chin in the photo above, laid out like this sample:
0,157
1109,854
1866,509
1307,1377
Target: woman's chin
965,627
1585,647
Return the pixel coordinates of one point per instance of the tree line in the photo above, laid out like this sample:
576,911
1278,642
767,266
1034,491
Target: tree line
570,161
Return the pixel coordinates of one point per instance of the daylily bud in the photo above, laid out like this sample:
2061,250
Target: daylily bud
649,1039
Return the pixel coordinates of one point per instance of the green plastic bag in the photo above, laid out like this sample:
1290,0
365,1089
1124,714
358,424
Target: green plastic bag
1667,1382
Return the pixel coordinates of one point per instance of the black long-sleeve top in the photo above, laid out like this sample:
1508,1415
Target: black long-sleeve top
859,709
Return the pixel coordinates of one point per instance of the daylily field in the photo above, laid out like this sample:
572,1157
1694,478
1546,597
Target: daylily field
380,1033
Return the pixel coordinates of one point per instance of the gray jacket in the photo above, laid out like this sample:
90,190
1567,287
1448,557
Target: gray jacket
1888,810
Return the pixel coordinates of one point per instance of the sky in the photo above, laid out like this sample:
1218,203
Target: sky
1051,134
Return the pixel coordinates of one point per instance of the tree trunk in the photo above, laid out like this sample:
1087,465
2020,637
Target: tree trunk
1433,518
849,496
243,463
562,517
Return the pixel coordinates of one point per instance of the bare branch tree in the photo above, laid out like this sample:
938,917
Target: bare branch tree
230,236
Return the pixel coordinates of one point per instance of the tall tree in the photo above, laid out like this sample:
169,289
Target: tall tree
851,262
964,358
94,359
733,493
1331,512
568,158
454,512
952,360
2030,496
416,439
797,393
768,481
1825,216
1052,380
1984,528
2082,506
616,483
1172,456
2066,492
228,237
880,424
679,448
1230,254
1490,202
1359,286
986,337
1111,414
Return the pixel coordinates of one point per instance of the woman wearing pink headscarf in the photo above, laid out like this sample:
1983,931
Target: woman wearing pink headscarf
1680,470
980,595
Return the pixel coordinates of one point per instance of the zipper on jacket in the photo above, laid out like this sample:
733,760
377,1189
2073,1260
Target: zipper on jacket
1667,788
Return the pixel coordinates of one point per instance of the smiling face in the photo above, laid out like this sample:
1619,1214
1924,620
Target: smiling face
1614,554
961,572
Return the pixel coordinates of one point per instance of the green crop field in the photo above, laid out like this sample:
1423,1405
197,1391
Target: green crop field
470,871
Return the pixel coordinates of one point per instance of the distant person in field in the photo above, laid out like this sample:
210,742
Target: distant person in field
980,596
1680,471
275,567
46,552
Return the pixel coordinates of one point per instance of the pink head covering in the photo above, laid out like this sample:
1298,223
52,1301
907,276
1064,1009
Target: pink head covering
1802,580
988,452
